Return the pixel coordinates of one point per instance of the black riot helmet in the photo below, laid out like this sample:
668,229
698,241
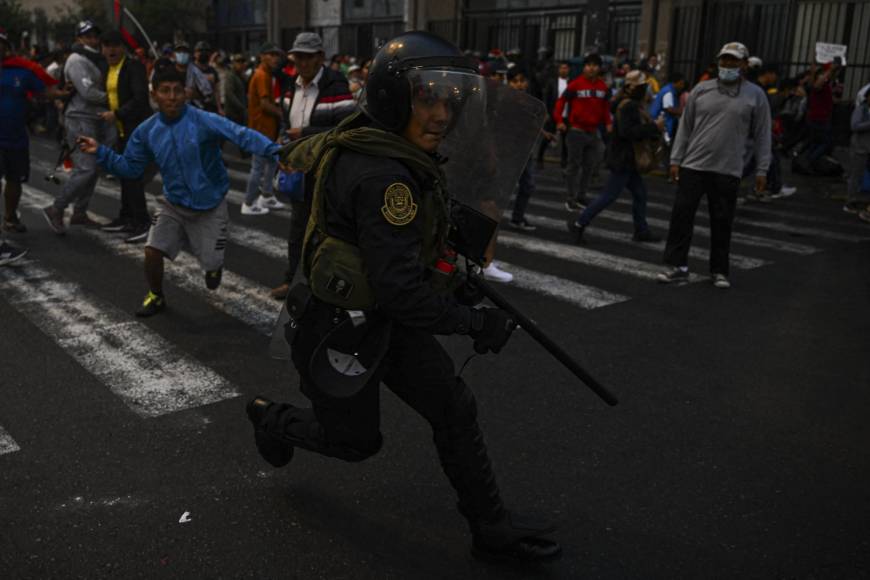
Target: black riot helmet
418,67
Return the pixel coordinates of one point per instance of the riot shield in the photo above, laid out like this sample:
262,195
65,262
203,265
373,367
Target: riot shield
485,157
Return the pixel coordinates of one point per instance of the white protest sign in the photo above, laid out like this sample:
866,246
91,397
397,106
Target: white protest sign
826,53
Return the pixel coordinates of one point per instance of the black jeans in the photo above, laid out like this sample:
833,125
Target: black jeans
721,192
134,209
420,372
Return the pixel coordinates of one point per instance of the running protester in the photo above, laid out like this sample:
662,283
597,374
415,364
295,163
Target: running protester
193,212
18,78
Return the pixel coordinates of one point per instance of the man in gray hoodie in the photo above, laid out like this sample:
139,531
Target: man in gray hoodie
85,71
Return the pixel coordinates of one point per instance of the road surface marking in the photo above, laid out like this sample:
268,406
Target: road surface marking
150,374
737,260
7,443
580,255
581,295
747,239
237,295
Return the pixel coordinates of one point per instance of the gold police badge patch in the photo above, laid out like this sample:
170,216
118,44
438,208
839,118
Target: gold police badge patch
399,208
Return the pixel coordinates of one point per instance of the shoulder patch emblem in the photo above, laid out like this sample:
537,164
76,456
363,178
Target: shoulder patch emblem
399,208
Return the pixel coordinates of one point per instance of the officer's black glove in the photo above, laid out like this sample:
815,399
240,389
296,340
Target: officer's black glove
468,294
491,328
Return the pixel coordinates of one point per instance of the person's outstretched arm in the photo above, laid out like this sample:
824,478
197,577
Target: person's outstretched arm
130,165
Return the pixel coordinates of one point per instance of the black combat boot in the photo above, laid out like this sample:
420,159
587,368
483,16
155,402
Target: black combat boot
274,450
513,537
497,534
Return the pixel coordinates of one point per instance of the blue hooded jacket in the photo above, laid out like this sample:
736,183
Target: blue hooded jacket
188,152
656,108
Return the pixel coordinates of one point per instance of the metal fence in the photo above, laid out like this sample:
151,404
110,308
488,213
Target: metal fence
781,32
563,30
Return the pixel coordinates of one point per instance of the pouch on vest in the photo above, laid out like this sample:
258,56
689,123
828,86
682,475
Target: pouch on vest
349,354
288,321
338,275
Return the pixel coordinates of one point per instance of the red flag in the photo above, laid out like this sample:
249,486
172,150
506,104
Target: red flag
119,18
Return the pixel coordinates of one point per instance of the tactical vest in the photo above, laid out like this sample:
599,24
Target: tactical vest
335,269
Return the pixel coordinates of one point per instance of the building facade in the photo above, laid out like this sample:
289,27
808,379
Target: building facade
687,33
568,28
359,27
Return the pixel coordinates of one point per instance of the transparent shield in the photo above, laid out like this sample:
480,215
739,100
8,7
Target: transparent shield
486,156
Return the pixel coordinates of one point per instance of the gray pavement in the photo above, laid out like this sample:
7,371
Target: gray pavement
738,450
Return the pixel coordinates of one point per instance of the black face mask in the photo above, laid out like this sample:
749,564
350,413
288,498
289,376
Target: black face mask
637,92
203,59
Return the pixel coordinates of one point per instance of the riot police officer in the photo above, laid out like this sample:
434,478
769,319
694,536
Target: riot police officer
378,290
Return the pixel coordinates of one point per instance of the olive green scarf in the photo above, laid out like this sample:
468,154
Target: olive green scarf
315,155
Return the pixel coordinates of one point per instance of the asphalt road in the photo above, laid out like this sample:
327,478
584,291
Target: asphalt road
738,449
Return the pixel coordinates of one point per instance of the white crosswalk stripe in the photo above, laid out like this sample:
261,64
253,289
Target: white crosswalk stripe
580,255
739,261
143,369
736,237
586,297
782,208
7,443
777,213
237,296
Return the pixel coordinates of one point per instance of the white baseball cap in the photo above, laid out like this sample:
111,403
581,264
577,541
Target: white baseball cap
735,49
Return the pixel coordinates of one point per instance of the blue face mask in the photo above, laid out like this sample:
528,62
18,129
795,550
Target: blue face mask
182,58
729,75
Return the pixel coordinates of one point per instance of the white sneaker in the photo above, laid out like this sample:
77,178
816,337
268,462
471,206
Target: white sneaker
271,202
721,281
493,274
784,191
254,209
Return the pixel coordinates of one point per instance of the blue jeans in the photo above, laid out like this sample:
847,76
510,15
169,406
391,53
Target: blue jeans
262,170
618,181
524,192
821,140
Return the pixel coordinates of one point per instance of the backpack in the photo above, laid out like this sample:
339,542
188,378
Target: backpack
648,153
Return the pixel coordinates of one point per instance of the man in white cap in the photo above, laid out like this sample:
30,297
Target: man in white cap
316,100
707,158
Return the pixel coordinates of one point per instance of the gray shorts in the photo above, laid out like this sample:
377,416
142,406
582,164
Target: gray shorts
202,233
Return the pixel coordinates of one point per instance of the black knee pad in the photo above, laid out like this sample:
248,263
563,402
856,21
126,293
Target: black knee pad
357,452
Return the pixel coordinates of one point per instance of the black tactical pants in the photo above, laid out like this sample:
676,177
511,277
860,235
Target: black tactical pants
418,370
295,237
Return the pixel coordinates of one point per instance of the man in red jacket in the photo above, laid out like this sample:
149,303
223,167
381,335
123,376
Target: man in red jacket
587,99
